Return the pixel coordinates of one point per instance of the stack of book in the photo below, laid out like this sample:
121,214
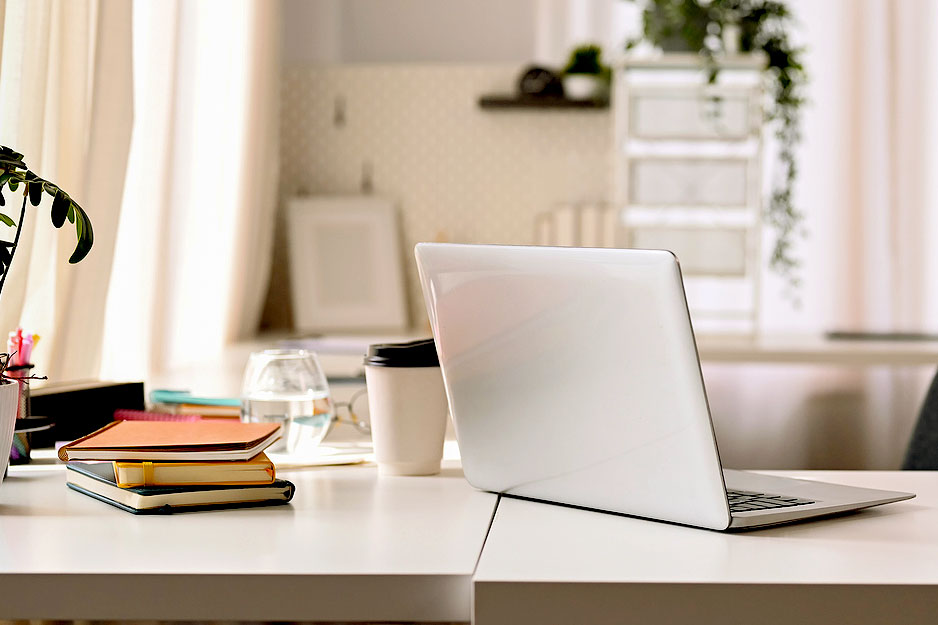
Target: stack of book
185,403
161,466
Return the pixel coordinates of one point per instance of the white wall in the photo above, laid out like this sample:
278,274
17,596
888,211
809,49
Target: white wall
449,31
352,31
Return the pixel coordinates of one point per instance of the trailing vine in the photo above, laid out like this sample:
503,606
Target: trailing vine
702,26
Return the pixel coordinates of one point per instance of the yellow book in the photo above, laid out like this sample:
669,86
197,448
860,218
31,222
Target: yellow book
233,412
257,470
224,412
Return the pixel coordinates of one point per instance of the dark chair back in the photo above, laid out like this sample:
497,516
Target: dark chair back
922,453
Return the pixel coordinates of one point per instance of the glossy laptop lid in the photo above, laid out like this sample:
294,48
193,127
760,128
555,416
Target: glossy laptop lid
572,376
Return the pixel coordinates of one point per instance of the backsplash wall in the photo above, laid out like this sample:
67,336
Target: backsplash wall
416,133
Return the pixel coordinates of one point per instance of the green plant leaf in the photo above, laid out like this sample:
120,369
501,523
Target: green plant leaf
10,158
60,206
13,172
585,59
5,257
85,234
35,193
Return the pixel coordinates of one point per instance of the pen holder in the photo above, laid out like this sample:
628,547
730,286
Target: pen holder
20,450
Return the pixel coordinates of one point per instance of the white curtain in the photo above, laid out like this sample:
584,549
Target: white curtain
892,192
867,166
870,194
562,25
193,253
66,104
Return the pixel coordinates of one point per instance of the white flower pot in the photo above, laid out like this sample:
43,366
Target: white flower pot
583,86
9,400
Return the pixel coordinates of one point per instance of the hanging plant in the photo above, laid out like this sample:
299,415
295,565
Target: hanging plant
13,174
702,27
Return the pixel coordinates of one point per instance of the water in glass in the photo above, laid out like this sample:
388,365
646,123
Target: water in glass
288,387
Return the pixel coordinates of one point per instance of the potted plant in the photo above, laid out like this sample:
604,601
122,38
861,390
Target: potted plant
585,77
14,174
713,28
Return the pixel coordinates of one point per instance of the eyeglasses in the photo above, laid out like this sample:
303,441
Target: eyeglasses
357,409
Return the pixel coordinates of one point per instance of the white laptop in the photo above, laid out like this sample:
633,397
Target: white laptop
572,377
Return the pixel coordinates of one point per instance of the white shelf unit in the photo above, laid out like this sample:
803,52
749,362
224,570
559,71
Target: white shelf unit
688,177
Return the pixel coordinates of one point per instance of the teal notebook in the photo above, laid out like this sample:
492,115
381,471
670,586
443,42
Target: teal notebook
97,480
167,396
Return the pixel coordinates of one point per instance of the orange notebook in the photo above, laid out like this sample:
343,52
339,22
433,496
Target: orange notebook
173,440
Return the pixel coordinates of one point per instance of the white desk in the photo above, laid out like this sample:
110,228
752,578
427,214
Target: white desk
553,564
351,547
355,547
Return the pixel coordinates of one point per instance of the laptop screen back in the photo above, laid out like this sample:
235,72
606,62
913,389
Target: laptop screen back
572,376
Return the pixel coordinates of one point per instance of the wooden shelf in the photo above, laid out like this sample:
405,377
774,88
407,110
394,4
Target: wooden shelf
512,101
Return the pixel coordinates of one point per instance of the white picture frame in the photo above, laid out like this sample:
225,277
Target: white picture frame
346,272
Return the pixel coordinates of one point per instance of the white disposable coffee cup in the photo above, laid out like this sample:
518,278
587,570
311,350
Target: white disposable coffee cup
407,407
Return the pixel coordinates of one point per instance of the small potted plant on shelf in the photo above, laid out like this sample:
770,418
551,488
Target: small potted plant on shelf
15,176
585,77
715,28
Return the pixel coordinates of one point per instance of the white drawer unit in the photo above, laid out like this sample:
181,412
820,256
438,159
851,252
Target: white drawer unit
688,178
697,181
692,114
721,252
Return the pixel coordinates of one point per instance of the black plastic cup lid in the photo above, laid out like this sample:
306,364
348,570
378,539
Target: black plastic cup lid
420,353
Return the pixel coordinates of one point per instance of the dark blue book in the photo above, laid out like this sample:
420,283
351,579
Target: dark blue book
96,479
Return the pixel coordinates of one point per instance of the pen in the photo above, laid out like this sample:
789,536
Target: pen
15,346
26,349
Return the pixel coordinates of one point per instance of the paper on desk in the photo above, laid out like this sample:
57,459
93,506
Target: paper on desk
344,453
324,457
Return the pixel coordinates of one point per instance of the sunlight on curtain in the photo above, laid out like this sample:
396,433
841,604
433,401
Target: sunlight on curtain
22,102
193,253
65,103
134,297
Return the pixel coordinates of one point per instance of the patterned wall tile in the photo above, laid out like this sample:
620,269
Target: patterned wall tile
455,171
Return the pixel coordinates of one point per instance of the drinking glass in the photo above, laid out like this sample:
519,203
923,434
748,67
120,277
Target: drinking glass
288,386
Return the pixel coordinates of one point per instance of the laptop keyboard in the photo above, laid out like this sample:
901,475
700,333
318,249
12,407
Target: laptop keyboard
746,501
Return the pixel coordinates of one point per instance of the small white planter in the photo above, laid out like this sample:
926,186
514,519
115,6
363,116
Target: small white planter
9,400
583,86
